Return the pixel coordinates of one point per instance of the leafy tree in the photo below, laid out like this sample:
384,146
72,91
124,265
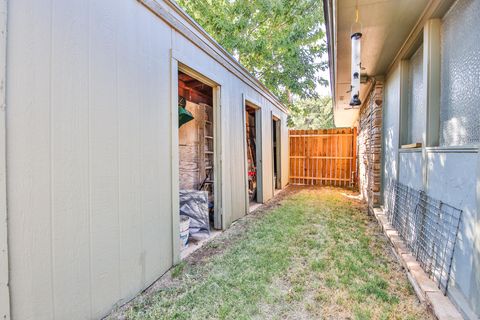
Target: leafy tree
279,41
315,113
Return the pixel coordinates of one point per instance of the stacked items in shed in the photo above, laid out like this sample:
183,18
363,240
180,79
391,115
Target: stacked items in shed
196,154
251,153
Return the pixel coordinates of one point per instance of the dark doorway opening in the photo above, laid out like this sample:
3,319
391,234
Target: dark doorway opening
252,158
277,173
196,134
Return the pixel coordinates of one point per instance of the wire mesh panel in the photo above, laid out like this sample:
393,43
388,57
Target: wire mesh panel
429,228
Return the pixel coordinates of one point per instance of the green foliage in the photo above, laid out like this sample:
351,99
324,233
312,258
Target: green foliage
178,269
314,113
279,41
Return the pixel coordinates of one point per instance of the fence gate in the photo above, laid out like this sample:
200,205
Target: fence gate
323,157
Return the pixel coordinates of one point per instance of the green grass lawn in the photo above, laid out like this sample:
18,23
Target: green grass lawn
315,255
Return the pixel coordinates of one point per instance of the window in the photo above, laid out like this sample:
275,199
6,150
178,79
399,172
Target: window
460,75
416,98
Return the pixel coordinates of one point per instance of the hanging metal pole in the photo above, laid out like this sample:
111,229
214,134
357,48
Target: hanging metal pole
356,64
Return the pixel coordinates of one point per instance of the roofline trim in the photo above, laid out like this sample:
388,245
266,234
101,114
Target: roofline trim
329,25
434,9
199,37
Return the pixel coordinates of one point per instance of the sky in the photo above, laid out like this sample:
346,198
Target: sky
322,90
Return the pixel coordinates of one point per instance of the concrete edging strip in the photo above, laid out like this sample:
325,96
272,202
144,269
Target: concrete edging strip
426,290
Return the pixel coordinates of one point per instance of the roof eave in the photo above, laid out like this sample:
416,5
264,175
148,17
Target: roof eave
329,25
328,12
191,25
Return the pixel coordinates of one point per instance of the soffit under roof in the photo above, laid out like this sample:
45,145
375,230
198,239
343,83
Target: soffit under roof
386,25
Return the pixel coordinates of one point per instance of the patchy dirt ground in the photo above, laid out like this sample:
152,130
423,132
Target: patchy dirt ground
310,253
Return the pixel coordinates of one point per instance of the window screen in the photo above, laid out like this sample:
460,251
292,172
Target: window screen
460,75
416,101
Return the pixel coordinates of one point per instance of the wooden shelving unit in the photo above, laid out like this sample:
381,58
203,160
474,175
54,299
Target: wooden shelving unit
207,150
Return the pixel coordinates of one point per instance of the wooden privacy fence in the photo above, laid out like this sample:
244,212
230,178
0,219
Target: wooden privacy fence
323,157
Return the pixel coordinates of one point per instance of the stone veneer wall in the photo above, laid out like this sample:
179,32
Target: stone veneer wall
370,146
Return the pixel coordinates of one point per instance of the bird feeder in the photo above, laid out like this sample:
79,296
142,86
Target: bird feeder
356,65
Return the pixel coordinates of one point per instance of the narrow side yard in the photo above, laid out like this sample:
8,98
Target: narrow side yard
311,254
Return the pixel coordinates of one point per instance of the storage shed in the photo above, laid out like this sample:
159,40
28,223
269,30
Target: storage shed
92,158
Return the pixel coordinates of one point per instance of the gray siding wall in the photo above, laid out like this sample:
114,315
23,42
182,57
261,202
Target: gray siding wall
89,136
410,169
390,133
452,177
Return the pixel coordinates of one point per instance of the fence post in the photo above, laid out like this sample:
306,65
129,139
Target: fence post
354,154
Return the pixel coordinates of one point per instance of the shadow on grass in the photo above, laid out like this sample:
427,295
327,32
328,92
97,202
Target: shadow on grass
316,255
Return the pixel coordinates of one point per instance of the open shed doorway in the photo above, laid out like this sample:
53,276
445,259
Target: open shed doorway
276,154
254,155
198,158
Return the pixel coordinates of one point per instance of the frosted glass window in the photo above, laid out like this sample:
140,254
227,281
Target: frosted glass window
460,75
416,101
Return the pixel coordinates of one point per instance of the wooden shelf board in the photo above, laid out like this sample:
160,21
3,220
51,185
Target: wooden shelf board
412,145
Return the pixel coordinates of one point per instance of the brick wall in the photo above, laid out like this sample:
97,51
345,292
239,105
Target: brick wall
370,146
